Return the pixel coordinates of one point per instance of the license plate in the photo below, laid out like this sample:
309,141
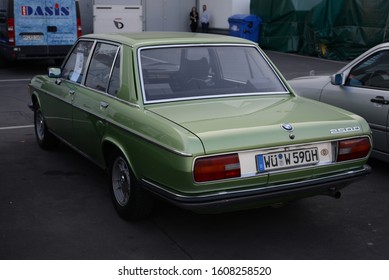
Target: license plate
32,37
287,159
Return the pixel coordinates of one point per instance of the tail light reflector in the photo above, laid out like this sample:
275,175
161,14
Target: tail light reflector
353,149
79,28
11,31
217,168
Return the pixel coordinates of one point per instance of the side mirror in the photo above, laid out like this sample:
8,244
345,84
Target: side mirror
337,79
54,72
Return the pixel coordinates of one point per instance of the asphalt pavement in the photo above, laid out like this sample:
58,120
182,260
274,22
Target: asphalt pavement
293,65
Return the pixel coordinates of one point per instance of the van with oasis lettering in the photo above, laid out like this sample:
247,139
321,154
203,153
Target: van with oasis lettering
38,29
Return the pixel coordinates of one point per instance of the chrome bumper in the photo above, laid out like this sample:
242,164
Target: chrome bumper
261,196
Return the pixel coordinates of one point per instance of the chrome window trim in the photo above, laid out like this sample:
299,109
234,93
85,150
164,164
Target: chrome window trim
145,101
213,97
112,69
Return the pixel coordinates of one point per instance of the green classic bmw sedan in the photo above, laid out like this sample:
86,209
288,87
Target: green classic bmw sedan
203,121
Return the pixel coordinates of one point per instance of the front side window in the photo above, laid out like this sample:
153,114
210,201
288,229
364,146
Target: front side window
75,66
100,66
373,72
192,72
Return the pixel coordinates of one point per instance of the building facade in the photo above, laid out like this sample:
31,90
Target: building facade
169,15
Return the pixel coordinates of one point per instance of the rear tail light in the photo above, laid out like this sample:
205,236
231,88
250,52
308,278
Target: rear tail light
217,168
79,28
11,31
221,167
353,149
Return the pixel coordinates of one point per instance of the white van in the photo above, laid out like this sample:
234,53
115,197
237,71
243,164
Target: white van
38,29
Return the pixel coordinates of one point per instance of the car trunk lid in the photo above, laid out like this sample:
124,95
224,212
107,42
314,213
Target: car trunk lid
252,123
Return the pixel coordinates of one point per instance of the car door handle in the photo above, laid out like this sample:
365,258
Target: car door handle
380,100
72,92
104,105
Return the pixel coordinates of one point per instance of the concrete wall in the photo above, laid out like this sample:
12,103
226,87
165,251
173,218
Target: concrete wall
86,10
167,15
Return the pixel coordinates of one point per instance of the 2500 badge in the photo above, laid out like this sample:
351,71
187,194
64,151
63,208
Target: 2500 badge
345,130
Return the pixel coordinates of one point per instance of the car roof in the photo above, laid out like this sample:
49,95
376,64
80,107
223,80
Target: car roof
140,39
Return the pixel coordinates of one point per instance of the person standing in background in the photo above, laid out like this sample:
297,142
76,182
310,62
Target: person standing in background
205,19
194,19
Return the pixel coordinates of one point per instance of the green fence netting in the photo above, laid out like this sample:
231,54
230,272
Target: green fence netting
334,29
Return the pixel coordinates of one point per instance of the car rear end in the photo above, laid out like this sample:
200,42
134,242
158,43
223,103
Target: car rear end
37,29
253,159
261,144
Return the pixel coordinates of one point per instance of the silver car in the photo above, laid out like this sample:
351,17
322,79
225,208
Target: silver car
362,87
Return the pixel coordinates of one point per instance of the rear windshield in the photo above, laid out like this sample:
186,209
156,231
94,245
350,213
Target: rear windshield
193,72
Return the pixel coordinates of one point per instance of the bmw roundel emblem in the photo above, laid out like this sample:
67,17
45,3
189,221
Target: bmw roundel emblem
287,126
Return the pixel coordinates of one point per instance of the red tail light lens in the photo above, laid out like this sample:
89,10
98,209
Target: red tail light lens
217,168
11,31
353,149
79,28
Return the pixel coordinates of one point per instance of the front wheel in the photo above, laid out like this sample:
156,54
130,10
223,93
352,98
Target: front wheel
44,137
130,200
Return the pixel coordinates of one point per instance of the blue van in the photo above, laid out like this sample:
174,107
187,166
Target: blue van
38,29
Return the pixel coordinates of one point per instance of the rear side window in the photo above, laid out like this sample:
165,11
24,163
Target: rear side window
101,66
74,68
114,83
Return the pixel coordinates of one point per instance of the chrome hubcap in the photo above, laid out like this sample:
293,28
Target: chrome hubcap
121,182
40,126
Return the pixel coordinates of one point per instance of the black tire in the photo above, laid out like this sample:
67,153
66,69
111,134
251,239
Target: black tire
130,200
44,137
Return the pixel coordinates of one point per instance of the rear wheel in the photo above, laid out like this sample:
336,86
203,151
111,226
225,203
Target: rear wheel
130,200
44,137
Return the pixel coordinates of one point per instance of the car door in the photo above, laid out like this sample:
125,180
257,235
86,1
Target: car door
366,93
92,102
58,109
